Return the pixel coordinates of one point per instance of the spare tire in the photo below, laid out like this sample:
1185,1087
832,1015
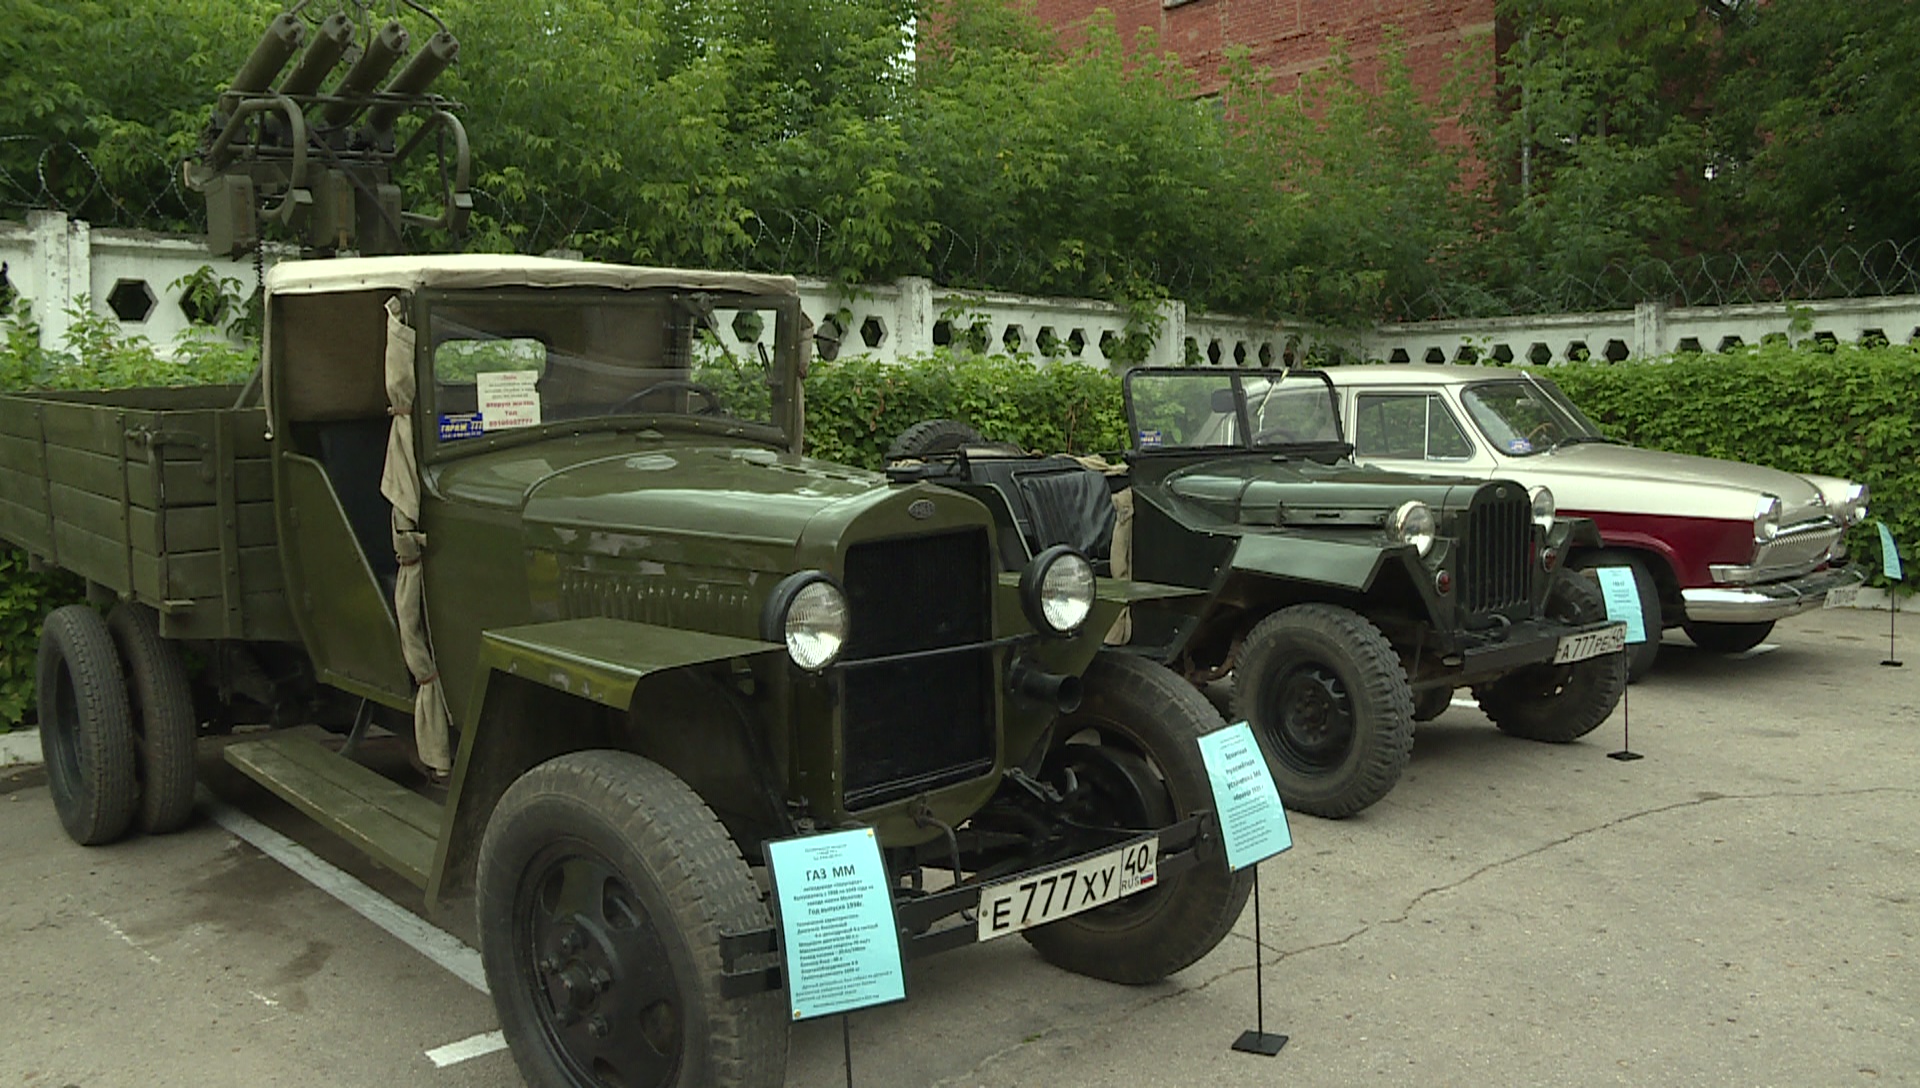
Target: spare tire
931,438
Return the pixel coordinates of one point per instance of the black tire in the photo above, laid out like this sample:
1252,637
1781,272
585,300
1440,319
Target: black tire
1431,703
165,726
1728,638
931,438
640,966
85,726
1559,703
1328,697
1640,655
1135,731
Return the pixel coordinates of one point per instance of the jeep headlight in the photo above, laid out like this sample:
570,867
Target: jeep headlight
1766,519
1056,590
1853,510
807,613
1413,523
1543,506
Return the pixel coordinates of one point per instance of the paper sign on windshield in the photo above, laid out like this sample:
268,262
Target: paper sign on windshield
508,398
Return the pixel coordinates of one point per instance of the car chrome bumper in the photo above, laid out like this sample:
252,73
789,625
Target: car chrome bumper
1773,601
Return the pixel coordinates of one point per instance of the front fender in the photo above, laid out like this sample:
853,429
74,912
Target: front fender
1350,565
527,705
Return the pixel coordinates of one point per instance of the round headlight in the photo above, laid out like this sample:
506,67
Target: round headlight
808,613
1413,523
1854,509
1766,519
1543,507
1056,590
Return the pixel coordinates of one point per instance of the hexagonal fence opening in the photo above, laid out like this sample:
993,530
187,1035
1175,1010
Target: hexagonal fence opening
1539,354
1689,345
1825,341
747,326
977,337
1468,354
1616,351
1013,339
1399,355
6,288
1266,355
1240,353
132,300
1047,342
1873,338
1502,354
1577,351
1214,354
1109,340
1190,352
1434,357
873,332
827,336
1729,343
1077,342
943,333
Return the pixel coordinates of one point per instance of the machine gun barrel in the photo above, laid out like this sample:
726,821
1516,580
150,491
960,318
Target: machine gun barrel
283,36
330,42
415,78
383,51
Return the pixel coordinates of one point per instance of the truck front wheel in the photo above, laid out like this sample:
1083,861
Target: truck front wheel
1326,693
1132,752
604,885
1559,703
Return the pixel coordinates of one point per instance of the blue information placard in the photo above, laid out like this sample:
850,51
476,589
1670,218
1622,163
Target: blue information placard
1623,600
1253,823
1889,553
837,931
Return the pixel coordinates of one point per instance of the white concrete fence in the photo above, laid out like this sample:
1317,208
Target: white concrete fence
56,263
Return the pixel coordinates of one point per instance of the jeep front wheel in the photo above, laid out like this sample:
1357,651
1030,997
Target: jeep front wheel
604,885
1128,758
1326,693
1559,703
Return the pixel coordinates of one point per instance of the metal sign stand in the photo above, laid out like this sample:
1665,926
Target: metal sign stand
1626,753
846,1043
1893,613
1258,1041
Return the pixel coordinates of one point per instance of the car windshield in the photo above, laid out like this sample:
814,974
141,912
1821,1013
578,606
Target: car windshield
1526,417
1200,408
502,361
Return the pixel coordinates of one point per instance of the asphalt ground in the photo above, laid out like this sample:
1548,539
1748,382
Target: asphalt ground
1737,908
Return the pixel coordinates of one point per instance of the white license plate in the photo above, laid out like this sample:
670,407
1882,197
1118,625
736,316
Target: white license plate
1844,597
1065,890
1607,640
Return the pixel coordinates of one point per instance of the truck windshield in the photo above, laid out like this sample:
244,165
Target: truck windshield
510,360
1178,409
1527,417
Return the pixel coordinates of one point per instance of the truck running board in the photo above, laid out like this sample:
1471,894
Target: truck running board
393,825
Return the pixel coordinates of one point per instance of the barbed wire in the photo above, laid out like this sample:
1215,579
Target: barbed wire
37,174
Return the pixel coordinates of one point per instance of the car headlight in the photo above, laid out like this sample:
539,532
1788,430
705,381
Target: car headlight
1766,519
1056,590
807,613
1854,509
1543,506
1413,523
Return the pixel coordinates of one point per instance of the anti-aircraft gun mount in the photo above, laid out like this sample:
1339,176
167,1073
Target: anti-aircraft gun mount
319,166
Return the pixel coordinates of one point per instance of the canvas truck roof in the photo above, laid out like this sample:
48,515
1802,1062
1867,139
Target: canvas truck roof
481,270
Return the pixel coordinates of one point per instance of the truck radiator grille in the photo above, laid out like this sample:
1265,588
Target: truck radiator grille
1496,559
916,724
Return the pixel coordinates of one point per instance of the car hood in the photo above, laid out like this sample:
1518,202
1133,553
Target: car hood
1605,477
1256,490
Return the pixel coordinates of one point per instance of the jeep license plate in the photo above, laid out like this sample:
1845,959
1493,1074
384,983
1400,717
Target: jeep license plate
1065,890
1579,647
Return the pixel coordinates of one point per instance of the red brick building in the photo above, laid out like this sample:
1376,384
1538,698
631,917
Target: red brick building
1292,37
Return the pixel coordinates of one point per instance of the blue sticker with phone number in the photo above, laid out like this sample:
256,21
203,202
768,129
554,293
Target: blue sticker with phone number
458,425
1150,440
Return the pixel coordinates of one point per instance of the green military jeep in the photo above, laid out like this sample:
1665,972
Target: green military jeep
1344,603
549,522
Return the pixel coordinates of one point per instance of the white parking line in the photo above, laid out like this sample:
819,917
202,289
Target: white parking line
472,1047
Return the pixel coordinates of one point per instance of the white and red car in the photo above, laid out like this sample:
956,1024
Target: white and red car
1720,548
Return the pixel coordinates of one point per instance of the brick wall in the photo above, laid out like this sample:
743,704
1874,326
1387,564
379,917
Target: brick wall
1292,37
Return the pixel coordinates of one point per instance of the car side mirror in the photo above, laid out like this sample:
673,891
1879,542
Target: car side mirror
1223,401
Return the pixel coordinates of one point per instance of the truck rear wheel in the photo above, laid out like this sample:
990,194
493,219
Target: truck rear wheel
604,885
1131,746
1559,703
165,726
85,726
1327,695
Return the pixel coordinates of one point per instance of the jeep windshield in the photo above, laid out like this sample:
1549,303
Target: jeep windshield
1232,409
1528,416
527,360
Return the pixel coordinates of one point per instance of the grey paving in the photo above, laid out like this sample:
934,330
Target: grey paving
1738,908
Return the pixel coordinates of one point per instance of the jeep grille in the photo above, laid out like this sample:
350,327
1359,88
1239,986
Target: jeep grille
929,720
1496,550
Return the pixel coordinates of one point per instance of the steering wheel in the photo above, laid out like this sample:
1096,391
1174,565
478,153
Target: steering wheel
1539,431
705,392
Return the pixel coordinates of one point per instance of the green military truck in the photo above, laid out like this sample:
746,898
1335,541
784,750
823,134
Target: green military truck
549,521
